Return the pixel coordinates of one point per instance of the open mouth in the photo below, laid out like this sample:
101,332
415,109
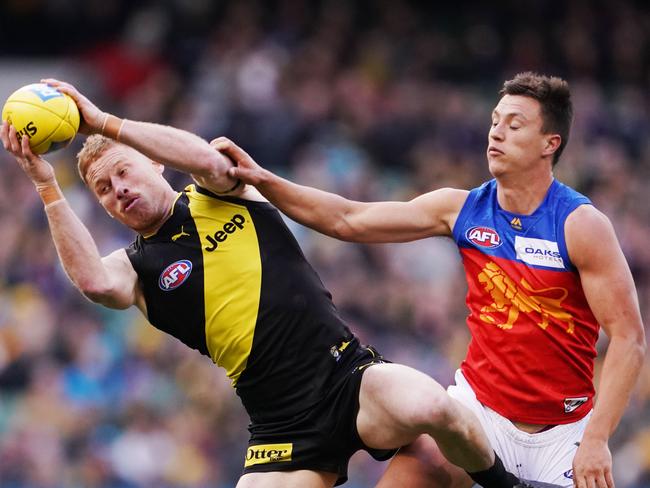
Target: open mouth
131,203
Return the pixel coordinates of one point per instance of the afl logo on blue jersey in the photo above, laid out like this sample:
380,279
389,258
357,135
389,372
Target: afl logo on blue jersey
484,237
175,275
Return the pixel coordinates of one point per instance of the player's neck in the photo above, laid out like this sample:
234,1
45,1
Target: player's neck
165,213
523,195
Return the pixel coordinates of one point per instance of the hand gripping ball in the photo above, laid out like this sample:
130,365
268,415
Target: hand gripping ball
48,117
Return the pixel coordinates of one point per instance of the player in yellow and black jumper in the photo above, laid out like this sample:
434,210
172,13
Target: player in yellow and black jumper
247,298
224,275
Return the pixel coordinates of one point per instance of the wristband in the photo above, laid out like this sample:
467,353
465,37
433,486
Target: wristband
112,127
54,203
50,194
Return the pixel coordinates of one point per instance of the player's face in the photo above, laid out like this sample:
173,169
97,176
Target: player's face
130,187
515,141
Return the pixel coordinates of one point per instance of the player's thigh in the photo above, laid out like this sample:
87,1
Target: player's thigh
397,403
422,465
288,479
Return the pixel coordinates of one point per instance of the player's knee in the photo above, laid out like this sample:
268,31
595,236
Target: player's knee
433,412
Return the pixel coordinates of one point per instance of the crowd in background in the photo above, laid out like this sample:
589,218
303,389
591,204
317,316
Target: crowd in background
375,100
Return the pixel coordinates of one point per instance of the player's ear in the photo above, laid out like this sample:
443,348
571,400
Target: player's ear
551,144
158,168
107,211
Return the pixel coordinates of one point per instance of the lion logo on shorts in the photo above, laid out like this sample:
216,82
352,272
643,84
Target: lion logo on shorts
511,299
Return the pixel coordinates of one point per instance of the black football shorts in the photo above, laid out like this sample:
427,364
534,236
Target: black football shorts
322,438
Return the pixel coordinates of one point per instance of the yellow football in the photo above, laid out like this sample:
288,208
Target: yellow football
48,117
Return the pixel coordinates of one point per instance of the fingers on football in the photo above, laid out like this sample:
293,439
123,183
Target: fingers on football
56,83
64,87
14,145
27,150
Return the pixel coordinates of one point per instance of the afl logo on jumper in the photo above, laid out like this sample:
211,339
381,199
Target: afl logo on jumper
483,237
175,275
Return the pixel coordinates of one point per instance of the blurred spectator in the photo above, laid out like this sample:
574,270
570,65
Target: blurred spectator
374,100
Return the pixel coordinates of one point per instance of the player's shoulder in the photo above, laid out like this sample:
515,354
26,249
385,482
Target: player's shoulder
589,231
588,219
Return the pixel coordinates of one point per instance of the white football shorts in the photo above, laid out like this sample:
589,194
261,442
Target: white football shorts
546,456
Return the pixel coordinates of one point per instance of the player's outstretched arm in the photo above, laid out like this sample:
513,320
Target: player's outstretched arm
609,288
427,215
111,281
176,148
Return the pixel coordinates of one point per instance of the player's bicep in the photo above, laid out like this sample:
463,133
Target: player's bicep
122,289
605,275
431,214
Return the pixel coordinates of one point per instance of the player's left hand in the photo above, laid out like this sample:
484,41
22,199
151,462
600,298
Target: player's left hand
592,465
92,119
245,169
36,168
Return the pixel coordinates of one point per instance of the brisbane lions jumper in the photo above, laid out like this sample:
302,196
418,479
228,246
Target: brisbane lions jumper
227,277
531,356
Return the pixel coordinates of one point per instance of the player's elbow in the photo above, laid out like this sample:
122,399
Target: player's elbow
108,300
635,343
92,294
638,339
637,350
95,291
346,225
344,230
641,343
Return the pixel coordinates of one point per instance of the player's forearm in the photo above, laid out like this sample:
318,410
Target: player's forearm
619,375
176,148
76,249
317,209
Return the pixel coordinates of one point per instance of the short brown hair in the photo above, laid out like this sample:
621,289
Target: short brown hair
553,95
93,148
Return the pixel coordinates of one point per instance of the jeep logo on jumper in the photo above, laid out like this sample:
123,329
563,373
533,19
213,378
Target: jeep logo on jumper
483,237
237,222
268,453
175,275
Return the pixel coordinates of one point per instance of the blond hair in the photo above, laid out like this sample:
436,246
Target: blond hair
93,148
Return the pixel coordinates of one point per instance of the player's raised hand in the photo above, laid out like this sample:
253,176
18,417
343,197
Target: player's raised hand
592,465
38,170
92,118
245,169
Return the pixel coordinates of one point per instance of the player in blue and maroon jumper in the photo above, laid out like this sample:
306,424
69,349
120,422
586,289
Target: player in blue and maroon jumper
545,272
